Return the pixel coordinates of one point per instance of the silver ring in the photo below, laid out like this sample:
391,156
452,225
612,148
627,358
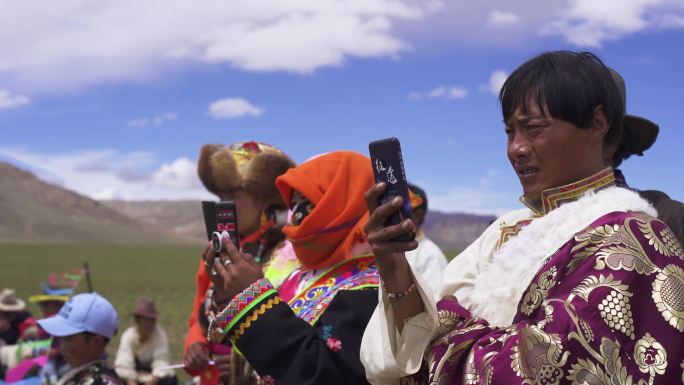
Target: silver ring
227,262
213,272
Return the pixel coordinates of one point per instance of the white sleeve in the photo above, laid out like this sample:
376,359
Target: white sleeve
124,363
459,276
429,261
8,356
388,356
160,355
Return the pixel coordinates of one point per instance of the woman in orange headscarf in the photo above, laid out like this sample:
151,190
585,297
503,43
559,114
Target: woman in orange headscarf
309,330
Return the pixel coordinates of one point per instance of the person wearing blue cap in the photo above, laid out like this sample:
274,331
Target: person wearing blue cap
83,328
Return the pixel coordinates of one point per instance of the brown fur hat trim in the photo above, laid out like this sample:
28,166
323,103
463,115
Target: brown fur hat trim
260,174
217,169
251,166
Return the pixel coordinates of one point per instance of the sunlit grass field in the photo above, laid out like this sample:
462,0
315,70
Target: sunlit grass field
121,274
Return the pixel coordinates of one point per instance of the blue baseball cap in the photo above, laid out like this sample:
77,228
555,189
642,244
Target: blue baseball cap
88,312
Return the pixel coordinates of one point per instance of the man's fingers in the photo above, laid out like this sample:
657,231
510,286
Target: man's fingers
208,254
222,271
387,234
230,248
379,217
394,247
373,195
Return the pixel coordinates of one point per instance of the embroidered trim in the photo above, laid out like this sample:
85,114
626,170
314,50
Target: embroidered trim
353,274
247,309
241,305
243,299
240,330
508,232
555,197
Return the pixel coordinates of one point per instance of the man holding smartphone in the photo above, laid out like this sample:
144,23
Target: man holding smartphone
584,285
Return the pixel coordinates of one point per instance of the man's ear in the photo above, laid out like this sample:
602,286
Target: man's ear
599,124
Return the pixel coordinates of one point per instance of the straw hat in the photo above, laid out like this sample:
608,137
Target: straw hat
10,302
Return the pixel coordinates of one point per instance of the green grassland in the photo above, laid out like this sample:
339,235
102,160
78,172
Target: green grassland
120,273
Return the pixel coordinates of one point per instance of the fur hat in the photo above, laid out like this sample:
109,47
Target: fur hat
251,166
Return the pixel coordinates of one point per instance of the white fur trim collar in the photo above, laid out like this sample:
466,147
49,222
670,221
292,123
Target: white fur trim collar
501,281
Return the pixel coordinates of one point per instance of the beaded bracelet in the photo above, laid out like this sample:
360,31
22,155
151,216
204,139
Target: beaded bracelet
396,296
212,321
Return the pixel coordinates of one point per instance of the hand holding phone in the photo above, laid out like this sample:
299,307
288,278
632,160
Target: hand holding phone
220,217
388,167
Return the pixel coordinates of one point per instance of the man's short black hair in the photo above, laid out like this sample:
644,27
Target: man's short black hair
565,85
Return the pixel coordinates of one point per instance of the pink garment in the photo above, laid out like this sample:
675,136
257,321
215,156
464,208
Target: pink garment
20,371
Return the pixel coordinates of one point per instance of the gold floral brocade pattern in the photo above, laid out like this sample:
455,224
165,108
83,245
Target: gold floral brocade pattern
538,357
668,295
537,292
650,356
615,309
588,317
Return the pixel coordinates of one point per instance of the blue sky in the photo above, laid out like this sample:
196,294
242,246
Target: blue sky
114,100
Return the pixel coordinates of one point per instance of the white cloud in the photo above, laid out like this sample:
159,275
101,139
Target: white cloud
9,100
590,23
105,42
671,21
108,42
496,81
442,92
155,120
109,174
583,23
502,19
233,108
177,175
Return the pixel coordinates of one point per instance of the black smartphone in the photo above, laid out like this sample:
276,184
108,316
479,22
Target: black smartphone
209,213
226,220
220,217
388,167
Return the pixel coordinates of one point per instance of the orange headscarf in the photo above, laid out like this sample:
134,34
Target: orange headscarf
335,183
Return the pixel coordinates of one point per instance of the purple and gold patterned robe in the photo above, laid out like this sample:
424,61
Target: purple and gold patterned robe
605,307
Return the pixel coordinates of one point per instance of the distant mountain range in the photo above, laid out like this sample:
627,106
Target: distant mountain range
34,211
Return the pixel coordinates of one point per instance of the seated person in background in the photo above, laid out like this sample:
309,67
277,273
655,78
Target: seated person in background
16,324
144,350
638,136
584,286
38,353
56,292
83,328
309,330
428,259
